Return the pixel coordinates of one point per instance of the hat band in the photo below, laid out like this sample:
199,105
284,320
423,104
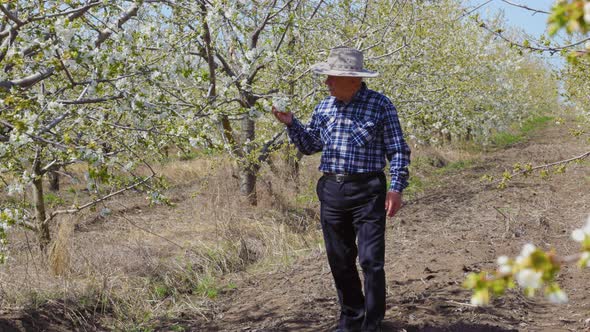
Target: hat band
346,67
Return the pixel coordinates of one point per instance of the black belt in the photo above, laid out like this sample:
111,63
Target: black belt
352,177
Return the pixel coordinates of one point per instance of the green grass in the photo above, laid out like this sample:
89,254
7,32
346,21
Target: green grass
208,287
520,133
535,123
455,166
52,200
415,185
504,139
424,176
161,291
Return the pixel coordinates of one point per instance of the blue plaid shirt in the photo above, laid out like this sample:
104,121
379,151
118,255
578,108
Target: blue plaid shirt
356,137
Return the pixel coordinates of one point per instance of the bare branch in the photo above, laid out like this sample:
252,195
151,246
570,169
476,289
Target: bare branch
60,118
90,101
54,166
27,81
12,16
127,15
92,203
27,225
37,138
551,50
109,80
63,65
256,34
252,75
315,10
79,12
226,67
535,11
390,53
468,12
150,130
269,147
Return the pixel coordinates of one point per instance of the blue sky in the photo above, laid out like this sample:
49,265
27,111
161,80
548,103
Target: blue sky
534,24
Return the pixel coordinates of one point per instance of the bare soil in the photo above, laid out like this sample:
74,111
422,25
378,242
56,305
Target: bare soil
458,226
462,225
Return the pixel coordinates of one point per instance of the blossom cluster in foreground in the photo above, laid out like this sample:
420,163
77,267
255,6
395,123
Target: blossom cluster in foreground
532,270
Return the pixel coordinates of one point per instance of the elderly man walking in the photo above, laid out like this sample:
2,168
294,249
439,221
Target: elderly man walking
356,129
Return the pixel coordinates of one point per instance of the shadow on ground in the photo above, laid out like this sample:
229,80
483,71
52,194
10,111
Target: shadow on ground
453,327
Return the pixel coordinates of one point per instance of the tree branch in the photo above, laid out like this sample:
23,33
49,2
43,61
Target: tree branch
535,11
268,147
551,50
256,34
79,12
545,166
60,118
252,75
127,15
37,138
63,65
12,16
92,203
27,81
90,101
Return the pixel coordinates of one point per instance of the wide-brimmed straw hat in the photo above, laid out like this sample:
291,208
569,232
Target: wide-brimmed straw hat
343,61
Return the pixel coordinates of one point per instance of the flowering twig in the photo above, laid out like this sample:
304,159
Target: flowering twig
528,169
532,270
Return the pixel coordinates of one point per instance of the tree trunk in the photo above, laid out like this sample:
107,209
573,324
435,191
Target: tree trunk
43,235
53,181
447,138
247,166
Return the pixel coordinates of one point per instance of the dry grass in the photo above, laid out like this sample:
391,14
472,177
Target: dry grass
59,254
141,261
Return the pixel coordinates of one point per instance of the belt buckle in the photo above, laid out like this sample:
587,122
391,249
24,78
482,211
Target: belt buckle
340,178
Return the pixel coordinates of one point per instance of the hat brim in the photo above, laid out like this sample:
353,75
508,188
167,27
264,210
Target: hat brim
323,68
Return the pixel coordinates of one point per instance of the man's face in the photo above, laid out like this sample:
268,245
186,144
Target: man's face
342,87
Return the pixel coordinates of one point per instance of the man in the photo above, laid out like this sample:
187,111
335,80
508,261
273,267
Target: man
356,129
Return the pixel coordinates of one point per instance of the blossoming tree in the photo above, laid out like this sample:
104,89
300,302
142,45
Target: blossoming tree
111,84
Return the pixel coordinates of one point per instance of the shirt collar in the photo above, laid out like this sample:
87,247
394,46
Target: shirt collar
362,93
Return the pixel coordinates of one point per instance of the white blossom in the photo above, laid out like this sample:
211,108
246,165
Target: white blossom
479,299
528,278
15,188
52,105
503,260
557,297
526,251
504,266
580,234
194,142
280,103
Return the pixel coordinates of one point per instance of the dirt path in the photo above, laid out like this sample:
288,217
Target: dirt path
453,229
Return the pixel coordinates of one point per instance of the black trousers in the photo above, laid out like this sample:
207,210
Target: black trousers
352,210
